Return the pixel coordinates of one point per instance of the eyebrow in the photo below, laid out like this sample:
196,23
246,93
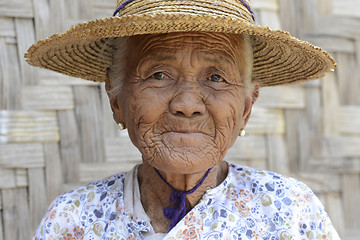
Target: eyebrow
163,58
218,57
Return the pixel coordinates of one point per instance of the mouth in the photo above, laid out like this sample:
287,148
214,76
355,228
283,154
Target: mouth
185,132
184,137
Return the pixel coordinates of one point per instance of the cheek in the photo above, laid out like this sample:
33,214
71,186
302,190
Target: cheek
226,109
144,108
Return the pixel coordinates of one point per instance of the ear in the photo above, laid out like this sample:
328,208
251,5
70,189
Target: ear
115,104
249,102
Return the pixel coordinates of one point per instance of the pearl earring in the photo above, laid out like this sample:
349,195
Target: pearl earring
121,126
242,132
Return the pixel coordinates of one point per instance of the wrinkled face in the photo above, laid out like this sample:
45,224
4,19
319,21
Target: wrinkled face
184,99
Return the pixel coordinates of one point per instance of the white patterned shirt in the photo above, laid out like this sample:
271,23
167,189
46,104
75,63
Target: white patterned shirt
248,204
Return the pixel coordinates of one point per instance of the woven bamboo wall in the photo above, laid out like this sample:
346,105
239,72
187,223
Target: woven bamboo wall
56,132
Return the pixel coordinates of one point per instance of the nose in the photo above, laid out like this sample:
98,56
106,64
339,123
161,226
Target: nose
187,102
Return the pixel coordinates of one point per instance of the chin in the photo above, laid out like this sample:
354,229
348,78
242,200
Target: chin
181,153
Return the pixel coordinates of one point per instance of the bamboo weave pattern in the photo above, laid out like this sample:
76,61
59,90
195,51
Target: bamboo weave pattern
57,132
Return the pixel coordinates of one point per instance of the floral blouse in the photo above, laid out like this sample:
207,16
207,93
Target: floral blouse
248,204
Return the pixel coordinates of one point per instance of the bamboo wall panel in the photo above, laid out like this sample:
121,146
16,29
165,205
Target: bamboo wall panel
57,132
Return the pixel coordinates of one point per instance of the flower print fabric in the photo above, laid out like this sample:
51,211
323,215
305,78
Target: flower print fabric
248,204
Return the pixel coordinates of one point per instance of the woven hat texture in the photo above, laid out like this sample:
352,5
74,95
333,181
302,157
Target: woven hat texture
83,52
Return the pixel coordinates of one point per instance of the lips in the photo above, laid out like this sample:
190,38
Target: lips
185,132
189,138
189,132
185,128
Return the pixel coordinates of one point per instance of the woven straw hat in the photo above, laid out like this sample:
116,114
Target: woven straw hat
82,50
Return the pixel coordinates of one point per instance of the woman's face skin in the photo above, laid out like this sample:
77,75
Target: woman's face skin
184,98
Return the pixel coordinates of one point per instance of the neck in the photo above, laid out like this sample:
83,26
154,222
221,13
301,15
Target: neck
149,179
155,193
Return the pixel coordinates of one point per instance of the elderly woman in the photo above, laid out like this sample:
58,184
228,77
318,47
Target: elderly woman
182,77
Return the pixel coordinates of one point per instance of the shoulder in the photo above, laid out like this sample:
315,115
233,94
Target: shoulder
260,181
82,207
107,189
274,188
283,202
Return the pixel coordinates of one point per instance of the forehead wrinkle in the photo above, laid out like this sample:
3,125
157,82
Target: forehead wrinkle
218,57
173,42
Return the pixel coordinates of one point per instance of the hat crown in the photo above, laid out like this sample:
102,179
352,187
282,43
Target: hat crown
247,1
233,8
121,1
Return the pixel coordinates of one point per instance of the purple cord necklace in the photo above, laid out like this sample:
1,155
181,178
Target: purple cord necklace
178,212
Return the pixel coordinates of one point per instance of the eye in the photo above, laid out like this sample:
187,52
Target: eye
216,78
158,76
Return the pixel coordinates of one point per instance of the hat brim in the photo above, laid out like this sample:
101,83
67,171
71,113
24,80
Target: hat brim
82,51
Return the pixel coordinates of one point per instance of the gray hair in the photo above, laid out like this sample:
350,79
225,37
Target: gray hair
249,56
117,68
120,51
